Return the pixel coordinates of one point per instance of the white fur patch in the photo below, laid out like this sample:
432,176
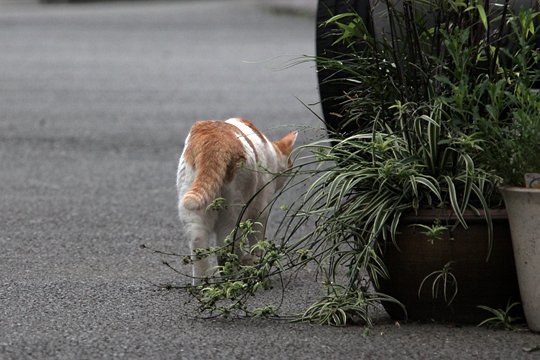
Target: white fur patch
255,138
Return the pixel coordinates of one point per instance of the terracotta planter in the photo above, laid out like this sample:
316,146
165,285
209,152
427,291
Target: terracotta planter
479,282
523,206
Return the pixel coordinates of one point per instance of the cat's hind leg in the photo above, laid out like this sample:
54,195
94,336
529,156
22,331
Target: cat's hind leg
199,241
225,231
236,237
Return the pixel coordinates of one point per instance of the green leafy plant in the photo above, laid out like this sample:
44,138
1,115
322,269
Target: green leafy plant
442,281
217,204
513,143
501,318
433,232
228,291
341,307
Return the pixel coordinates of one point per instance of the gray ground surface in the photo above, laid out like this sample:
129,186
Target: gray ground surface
95,101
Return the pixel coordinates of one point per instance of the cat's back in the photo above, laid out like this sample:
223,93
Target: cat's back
235,139
214,153
249,134
256,145
206,133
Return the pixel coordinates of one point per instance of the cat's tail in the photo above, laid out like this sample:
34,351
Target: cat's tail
206,186
214,162
214,165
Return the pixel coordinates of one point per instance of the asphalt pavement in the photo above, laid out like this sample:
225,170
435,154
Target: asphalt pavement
95,102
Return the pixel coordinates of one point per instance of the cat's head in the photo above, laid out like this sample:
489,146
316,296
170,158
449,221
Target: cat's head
284,148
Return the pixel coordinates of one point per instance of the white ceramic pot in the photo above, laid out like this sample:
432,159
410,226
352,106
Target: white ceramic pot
523,208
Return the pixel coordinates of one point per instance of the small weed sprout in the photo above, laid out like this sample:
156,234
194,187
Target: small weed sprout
227,293
501,317
266,311
217,204
434,232
442,279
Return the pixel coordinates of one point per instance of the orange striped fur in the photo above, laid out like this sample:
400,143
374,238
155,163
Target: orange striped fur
232,160
214,152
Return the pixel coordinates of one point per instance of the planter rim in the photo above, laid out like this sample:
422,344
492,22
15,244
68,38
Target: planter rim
518,189
448,214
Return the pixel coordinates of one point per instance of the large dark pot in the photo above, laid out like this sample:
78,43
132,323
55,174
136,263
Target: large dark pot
479,282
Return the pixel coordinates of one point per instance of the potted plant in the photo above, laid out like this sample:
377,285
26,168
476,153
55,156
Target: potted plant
416,160
426,92
513,134
522,205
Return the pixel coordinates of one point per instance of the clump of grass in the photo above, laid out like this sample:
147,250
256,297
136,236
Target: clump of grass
502,318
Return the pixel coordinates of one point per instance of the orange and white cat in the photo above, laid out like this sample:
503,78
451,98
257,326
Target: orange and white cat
232,160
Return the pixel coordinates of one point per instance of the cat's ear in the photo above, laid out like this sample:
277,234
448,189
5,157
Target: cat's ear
286,143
